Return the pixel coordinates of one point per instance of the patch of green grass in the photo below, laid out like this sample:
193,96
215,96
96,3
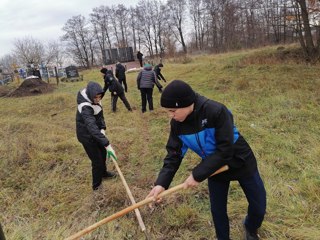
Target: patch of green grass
45,174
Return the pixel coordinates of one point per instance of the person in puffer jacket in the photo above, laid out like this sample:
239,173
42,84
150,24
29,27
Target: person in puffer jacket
90,128
207,128
145,82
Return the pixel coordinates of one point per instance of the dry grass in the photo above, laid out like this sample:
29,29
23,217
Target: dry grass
45,175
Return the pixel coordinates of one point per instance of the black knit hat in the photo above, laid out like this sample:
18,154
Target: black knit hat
177,94
104,70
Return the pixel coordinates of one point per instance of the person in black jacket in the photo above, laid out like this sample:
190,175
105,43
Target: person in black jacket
36,72
121,75
115,88
207,128
145,82
157,70
91,128
139,57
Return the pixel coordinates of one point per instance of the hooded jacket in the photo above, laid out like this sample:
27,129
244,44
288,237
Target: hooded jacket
139,55
157,70
89,117
147,78
120,71
112,84
210,132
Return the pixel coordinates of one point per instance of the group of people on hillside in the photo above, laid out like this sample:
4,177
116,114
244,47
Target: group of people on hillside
203,125
146,80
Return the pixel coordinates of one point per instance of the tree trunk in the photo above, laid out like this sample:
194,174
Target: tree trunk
311,50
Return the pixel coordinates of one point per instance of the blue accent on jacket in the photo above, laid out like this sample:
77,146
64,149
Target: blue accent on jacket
207,142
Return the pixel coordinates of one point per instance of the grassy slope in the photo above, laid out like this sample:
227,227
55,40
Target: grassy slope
45,175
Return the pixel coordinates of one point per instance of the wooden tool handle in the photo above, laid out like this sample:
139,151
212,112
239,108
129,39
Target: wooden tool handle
132,207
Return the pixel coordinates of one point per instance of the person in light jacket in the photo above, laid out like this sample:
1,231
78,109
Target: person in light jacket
145,82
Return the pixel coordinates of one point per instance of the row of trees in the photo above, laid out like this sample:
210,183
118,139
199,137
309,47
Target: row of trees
193,25
30,51
159,28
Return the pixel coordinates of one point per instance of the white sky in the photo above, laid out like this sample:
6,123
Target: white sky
42,20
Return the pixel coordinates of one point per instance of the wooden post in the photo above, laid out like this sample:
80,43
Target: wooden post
48,77
57,77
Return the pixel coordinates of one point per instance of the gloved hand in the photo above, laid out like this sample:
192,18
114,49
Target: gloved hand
111,153
160,90
103,131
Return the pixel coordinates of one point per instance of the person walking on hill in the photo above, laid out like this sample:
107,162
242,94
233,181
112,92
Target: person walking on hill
207,128
139,57
90,128
115,89
157,70
145,83
121,75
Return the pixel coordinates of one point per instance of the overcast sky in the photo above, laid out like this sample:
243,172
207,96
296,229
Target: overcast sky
42,19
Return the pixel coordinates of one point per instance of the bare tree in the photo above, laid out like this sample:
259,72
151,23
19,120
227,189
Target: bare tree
122,14
79,40
145,34
54,54
133,24
8,63
304,29
114,24
100,20
29,51
157,18
177,9
198,17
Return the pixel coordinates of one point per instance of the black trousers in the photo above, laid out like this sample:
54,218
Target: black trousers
124,82
97,155
146,95
255,193
114,100
1,234
140,61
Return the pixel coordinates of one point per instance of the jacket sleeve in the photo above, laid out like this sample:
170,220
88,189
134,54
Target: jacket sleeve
117,72
156,81
138,80
106,85
224,146
92,127
102,123
161,76
118,87
171,162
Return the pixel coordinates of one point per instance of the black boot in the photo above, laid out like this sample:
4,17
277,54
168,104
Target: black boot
108,175
250,235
